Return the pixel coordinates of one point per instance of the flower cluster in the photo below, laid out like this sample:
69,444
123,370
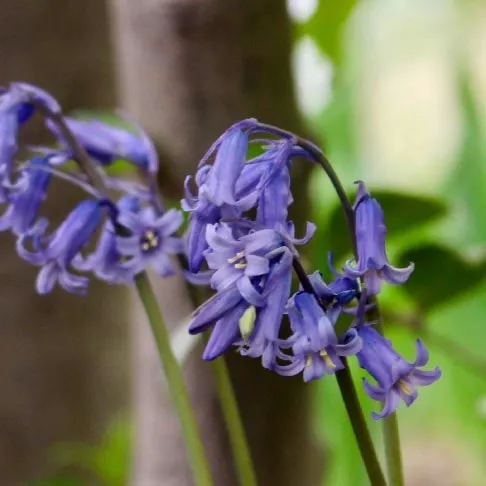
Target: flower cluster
240,233
126,218
239,241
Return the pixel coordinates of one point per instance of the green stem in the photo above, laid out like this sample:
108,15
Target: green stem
391,433
351,401
175,381
392,450
236,432
358,422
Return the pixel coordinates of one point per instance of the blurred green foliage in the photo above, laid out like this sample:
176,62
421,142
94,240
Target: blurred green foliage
106,463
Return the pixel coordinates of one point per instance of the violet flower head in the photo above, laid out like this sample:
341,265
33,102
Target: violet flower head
17,105
316,350
151,241
252,275
372,261
233,185
396,378
56,252
218,193
26,196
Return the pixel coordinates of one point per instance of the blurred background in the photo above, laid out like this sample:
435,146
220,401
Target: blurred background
395,92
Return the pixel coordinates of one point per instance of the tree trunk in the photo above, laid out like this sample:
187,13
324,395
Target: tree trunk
61,356
187,69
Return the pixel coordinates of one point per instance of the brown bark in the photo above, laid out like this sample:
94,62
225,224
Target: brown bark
187,69
61,356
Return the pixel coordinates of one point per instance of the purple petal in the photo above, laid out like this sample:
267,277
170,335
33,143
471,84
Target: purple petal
227,167
162,264
392,399
173,245
316,370
271,314
256,266
213,309
375,392
396,276
170,222
75,284
200,278
425,378
249,293
129,245
131,221
220,237
310,229
47,278
291,369
196,244
350,345
225,276
225,333
422,354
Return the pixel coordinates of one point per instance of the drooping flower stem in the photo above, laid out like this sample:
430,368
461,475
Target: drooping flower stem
175,382
351,402
239,444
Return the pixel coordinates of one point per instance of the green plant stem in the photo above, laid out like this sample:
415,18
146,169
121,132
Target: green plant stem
236,432
391,433
392,450
351,401
175,380
358,422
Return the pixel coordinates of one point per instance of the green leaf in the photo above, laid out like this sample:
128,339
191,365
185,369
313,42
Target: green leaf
327,24
403,212
441,274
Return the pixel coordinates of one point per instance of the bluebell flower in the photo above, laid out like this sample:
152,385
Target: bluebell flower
16,107
26,196
151,241
372,261
253,276
56,252
233,185
32,94
396,378
106,262
336,295
106,143
275,196
316,350
10,119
